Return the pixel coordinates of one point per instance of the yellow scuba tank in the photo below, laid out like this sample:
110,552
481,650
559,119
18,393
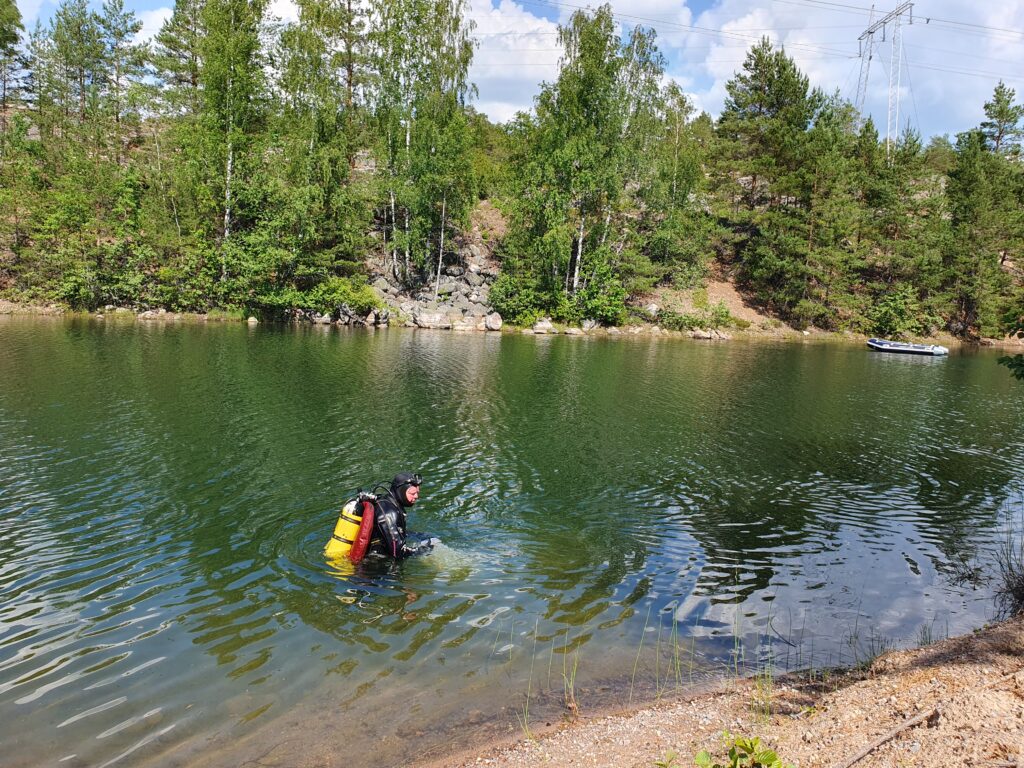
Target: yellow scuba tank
345,531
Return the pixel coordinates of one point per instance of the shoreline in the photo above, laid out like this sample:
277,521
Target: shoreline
781,333
959,701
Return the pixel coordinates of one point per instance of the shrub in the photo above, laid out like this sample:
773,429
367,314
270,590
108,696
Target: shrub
516,299
337,291
325,297
717,316
897,313
603,299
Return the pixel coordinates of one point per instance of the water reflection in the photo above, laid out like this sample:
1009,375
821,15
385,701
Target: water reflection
168,490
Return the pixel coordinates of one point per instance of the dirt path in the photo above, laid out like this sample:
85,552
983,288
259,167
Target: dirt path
959,702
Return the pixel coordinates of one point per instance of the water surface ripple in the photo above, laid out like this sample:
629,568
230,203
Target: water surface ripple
604,503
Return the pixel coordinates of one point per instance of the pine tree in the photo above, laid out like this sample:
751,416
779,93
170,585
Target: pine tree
971,262
78,53
10,38
1003,129
125,66
764,161
177,57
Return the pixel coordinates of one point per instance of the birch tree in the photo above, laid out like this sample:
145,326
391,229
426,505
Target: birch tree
232,86
422,53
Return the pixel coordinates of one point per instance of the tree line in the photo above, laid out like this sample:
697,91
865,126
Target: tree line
239,162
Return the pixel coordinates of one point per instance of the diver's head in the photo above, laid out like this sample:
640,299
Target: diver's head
406,488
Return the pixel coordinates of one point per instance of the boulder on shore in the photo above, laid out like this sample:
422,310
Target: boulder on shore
493,322
432,320
544,325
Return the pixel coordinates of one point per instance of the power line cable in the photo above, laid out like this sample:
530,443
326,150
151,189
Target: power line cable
692,28
928,20
913,98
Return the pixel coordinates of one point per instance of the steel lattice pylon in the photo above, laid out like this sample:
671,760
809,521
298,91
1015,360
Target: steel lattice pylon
867,52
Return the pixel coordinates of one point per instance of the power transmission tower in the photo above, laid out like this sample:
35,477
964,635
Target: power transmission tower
867,50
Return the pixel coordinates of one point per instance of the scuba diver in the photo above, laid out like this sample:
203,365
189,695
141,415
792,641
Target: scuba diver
376,523
389,534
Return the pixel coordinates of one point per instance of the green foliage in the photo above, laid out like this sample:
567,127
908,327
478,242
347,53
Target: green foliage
897,313
1010,580
716,316
516,298
326,298
602,298
743,753
1015,362
1002,128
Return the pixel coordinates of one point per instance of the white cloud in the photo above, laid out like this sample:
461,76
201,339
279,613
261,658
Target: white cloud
516,52
285,10
29,10
933,99
152,21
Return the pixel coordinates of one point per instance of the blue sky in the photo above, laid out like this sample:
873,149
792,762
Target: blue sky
954,52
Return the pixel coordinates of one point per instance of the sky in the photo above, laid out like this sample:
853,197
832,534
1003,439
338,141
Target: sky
954,52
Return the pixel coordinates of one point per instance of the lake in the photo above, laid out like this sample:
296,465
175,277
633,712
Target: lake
622,519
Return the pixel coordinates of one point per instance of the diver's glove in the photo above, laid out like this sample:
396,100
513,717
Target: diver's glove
420,545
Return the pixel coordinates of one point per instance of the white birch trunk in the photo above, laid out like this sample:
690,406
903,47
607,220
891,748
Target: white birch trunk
394,222
579,258
408,139
227,189
440,251
160,173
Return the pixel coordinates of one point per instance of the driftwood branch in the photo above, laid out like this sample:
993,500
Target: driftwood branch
905,725
1002,679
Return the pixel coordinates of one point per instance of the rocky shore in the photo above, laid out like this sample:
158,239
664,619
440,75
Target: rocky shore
459,309
959,702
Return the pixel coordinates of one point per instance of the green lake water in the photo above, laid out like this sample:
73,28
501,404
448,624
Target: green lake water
637,516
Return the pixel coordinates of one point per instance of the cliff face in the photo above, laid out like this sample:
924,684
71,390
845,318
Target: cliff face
457,297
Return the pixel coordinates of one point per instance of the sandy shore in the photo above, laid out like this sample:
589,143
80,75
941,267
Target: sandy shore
959,702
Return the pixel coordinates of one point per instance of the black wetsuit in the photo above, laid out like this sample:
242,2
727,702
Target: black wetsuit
389,535
389,529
